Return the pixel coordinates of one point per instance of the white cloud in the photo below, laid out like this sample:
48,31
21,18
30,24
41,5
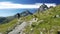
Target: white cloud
10,5
48,4
6,5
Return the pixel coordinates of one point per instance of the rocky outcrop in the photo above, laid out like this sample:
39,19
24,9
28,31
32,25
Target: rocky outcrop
25,13
43,7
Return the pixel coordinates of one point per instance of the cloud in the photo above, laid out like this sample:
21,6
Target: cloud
6,5
48,4
10,5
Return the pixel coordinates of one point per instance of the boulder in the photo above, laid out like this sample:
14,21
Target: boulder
0,33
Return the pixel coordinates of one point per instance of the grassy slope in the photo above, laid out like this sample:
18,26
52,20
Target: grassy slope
49,23
4,27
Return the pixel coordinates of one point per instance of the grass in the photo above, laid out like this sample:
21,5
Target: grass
4,27
50,21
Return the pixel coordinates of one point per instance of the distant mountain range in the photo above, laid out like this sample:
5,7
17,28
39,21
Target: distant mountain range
2,19
8,19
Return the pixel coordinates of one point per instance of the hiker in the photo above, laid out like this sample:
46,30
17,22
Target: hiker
18,15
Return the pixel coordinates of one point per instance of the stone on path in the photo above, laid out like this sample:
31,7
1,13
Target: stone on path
57,16
0,33
33,20
18,29
41,32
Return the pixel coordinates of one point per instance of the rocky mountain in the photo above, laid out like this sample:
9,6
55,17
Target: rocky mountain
43,7
25,13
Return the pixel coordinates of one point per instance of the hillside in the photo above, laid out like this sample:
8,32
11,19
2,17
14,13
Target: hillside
4,28
2,19
48,22
9,23
6,19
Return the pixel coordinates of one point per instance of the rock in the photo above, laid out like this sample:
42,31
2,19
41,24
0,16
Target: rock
51,31
43,7
19,28
34,19
44,29
0,33
57,16
31,29
41,32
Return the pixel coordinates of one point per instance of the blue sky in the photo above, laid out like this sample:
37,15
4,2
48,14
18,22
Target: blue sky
11,12
8,7
33,1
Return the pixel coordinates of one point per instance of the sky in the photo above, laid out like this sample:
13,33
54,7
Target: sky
11,7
